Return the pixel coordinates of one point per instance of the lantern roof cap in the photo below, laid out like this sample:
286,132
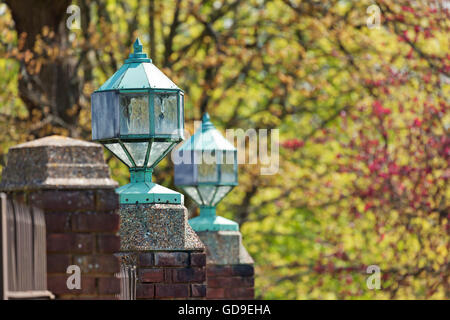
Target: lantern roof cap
138,72
207,138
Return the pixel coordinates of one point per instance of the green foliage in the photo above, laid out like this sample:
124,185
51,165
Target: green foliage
362,114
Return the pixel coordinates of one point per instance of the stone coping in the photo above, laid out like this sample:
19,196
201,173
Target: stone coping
56,162
225,247
153,227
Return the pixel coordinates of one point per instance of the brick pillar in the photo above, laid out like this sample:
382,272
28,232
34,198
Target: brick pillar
70,181
168,255
230,272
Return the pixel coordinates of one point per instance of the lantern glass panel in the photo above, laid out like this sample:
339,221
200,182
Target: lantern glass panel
207,193
166,115
158,148
227,168
138,151
134,115
184,168
193,193
207,172
118,151
221,192
105,123
227,173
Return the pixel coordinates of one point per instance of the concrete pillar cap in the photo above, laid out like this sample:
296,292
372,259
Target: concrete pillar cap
56,162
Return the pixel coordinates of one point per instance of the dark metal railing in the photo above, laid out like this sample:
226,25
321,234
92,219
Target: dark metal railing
23,251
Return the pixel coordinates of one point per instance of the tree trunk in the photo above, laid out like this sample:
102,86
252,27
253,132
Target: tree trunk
46,80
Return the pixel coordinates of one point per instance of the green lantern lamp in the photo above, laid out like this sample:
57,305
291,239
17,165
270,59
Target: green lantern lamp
137,114
206,170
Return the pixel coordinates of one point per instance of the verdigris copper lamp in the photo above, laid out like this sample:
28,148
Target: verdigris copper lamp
207,172
137,114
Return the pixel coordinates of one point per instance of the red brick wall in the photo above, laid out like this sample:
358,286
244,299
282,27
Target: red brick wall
81,230
230,282
171,275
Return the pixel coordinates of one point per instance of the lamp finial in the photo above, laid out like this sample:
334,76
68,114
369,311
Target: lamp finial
206,122
138,55
137,46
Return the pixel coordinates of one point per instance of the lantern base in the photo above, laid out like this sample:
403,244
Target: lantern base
148,192
208,221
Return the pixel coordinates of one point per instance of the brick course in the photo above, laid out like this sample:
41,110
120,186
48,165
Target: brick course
145,291
61,200
172,290
95,222
151,275
171,259
108,243
108,285
189,275
198,259
230,281
82,230
171,275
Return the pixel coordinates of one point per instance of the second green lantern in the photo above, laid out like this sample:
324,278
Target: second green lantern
207,172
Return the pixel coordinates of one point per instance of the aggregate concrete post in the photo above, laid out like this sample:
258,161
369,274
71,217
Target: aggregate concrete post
168,256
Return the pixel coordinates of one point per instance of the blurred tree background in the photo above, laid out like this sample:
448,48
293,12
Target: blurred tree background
363,115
